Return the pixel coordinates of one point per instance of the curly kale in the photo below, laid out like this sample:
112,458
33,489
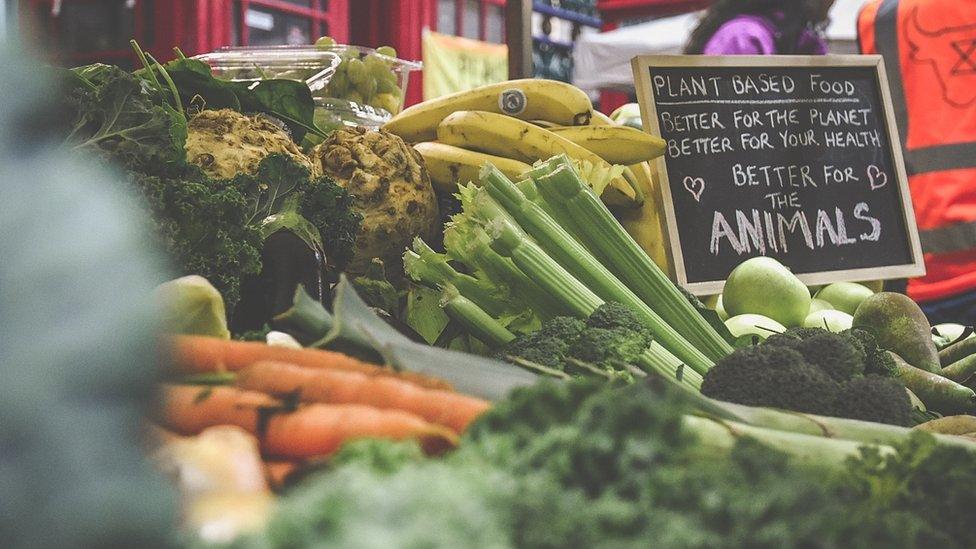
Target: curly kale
203,228
329,208
117,115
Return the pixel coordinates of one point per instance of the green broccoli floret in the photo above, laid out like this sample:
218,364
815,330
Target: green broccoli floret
804,333
834,354
547,346
565,328
771,376
616,315
614,335
876,360
874,398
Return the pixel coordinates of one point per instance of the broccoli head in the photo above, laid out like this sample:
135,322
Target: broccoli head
614,335
771,376
791,338
874,398
834,354
616,315
547,346
804,333
876,360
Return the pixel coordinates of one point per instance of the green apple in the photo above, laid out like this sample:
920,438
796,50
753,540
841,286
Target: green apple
819,305
751,324
845,296
875,286
830,320
763,286
720,309
948,334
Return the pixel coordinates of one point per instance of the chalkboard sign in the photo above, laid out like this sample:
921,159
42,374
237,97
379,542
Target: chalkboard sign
785,156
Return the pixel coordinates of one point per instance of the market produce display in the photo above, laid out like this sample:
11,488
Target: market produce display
460,330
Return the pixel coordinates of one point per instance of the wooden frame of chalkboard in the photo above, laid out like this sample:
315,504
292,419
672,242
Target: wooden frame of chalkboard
643,67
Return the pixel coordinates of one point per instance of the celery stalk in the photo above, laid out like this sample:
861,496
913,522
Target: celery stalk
425,266
474,319
590,219
660,361
471,246
509,241
579,262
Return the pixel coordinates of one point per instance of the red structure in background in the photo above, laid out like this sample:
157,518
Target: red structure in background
76,32
400,24
612,12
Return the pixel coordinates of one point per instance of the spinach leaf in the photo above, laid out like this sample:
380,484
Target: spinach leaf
287,100
194,78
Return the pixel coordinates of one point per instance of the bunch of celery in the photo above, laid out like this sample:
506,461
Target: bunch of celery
548,246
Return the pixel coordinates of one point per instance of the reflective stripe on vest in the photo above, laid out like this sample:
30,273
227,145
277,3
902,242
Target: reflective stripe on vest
923,160
951,238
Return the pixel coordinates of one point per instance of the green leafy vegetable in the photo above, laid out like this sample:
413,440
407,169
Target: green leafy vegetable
126,119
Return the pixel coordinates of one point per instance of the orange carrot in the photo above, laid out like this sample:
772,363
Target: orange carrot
341,387
309,431
277,472
199,354
189,409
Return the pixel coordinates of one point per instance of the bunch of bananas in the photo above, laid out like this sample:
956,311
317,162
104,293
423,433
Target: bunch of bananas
516,123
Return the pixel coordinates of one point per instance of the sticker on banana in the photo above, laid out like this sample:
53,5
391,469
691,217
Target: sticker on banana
509,137
528,99
450,166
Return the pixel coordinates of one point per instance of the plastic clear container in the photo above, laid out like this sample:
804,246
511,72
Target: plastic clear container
347,78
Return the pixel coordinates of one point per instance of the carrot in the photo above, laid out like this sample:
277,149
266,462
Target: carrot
277,472
339,387
310,431
199,354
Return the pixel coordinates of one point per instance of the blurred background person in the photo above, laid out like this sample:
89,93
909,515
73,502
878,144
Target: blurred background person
929,47
762,27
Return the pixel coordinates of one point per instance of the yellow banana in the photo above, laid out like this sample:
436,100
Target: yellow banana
513,138
600,119
449,165
615,144
647,224
528,99
547,124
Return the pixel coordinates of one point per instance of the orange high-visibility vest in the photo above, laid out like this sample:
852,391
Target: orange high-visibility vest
929,47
